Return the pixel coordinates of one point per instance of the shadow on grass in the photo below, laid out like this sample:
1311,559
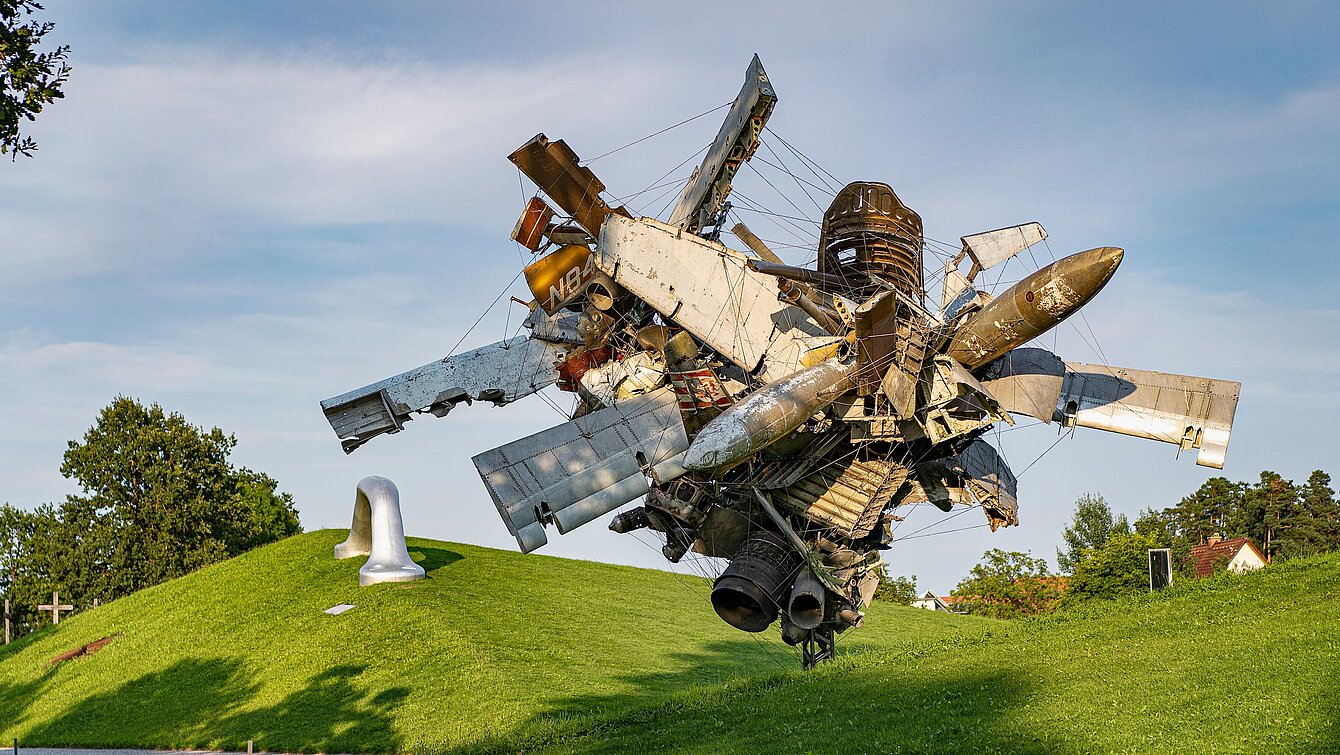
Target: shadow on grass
432,559
15,699
849,708
330,714
207,703
1330,729
174,706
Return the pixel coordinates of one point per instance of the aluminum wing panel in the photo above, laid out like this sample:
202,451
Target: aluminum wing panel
1191,412
501,372
570,474
1026,381
708,290
710,183
990,248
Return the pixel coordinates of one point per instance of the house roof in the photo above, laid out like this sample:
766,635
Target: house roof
1205,554
930,595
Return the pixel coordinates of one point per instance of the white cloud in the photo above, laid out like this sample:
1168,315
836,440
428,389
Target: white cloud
213,179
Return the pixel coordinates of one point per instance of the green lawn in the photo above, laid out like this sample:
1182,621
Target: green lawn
501,652
493,650
1234,664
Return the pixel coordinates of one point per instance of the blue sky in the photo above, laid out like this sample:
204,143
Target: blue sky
243,208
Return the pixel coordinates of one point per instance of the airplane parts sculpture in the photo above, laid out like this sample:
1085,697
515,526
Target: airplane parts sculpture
772,415
378,533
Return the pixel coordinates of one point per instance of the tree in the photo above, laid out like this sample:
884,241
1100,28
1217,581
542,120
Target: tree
1119,567
900,590
29,77
171,484
159,499
15,536
1284,519
1213,509
1090,527
1266,515
1008,585
1320,507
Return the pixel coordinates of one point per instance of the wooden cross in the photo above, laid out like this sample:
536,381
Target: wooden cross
55,608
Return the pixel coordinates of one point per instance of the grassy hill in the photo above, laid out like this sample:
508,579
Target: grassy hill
1245,664
502,652
494,649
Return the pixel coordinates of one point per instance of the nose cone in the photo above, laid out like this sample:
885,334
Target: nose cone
725,440
1109,257
1089,271
1033,306
1058,290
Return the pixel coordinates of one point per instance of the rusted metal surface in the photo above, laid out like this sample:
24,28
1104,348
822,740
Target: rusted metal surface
530,227
710,184
868,231
1033,306
755,244
83,650
891,334
556,169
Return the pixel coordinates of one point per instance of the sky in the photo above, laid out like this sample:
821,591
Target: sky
242,208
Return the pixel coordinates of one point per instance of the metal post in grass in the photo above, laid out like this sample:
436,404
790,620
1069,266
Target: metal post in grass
16,748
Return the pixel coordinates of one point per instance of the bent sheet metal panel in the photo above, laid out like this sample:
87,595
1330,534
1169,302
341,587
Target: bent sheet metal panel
1026,381
517,367
501,372
708,290
846,494
709,185
1192,412
990,248
979,473
570,474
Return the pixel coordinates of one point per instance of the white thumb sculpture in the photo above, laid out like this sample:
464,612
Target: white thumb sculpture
379,533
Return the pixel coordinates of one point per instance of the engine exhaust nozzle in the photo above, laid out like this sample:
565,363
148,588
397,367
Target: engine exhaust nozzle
806,607
749,593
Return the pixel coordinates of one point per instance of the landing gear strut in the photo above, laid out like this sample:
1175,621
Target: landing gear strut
816,648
